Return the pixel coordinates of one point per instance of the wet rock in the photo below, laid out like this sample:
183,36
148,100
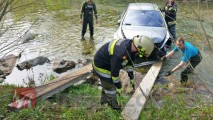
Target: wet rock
63,66
32,62
7,64
2,80
30,35
84,62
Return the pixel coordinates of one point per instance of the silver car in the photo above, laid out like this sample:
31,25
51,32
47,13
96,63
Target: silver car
145,19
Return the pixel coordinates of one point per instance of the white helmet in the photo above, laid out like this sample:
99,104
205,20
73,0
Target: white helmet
144,44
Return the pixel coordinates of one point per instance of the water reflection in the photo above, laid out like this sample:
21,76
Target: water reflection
59,33
88,47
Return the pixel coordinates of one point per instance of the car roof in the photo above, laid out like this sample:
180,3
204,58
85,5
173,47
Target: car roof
143,6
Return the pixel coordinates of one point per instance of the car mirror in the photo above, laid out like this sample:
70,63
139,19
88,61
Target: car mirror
119,21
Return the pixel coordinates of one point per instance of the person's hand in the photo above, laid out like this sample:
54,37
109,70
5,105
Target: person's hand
81,21
132,82
164,58
168,73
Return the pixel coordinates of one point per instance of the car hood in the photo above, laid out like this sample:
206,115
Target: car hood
157,34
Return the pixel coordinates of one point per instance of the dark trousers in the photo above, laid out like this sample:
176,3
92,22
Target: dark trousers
108,94
172,31
84,27
194,61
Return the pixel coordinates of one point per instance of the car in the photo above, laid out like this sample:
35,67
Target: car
145,19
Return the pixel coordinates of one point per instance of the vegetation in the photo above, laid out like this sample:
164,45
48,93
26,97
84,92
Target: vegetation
82,102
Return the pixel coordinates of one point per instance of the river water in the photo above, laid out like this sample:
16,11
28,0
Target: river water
59,35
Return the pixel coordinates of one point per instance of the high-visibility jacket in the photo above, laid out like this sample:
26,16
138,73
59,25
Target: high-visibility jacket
112,57
170,12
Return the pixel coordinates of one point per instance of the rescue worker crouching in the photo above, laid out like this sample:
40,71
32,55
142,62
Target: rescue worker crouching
112,57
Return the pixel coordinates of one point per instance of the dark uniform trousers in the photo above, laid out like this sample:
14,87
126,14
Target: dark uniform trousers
109,98
91,27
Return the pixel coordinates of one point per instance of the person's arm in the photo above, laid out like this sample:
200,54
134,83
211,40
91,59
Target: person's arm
173,9
95,12
115,69
82,11
180,65
170,54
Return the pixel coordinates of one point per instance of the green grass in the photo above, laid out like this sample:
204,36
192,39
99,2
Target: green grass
76,102
82,102
179,106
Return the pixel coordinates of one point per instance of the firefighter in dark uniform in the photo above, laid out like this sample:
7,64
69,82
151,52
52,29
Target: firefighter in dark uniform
112,57
170,10
86,17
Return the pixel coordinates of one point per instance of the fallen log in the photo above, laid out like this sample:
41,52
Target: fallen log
133,108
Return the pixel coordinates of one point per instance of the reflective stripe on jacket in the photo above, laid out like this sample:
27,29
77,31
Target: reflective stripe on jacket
112,57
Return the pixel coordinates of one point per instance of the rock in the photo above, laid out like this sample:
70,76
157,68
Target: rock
30,35
63,66
32,62
84,62
1,80
7,64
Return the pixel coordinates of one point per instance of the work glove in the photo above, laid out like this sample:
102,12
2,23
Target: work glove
168,73
164,58
132,82
171,9
119,91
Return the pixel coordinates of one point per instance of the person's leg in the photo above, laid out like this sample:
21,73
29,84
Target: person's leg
189,69
172,31
84,28
109,93
91,28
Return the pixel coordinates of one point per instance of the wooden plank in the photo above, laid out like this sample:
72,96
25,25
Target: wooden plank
133,108
57,85
64,81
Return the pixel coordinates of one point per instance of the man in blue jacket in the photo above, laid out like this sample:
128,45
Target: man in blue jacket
189,54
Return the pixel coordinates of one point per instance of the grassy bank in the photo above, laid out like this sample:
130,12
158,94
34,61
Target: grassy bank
82,102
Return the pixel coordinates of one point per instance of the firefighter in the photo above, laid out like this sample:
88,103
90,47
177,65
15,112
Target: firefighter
86,17
170,10
112,57
189,54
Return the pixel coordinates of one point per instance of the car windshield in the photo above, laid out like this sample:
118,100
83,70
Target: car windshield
143,18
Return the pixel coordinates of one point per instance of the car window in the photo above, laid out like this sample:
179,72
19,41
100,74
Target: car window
143,18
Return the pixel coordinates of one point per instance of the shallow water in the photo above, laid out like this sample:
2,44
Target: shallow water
59,37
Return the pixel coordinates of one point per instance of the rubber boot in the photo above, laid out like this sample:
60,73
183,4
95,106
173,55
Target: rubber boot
112,101
103,98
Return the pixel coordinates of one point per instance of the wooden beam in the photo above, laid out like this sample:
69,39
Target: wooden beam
135,105
55,86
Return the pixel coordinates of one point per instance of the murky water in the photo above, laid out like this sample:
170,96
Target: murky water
59,36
